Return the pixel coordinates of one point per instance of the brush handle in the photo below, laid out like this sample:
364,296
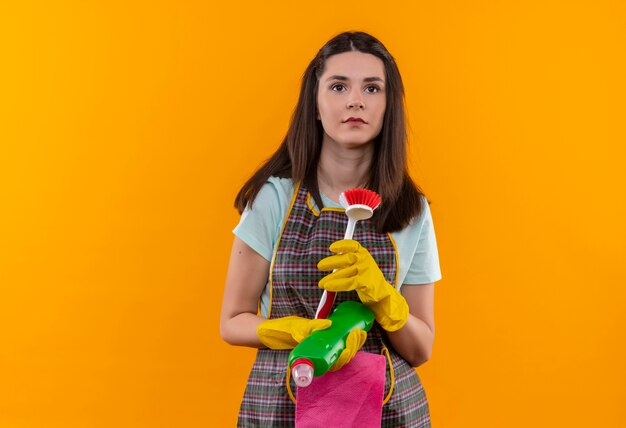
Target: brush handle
350,228
328,297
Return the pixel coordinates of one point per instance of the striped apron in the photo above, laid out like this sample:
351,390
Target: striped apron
268,399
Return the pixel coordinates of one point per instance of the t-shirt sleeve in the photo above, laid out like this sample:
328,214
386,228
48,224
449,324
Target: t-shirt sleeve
424,267
260,224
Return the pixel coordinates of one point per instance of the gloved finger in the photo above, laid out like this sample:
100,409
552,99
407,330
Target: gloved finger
344,357
356,339
282,325
278,340
312,325
274,336
344,246
338,284
347,272
319,324
337,261
354,342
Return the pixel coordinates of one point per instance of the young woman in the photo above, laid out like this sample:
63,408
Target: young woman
348,130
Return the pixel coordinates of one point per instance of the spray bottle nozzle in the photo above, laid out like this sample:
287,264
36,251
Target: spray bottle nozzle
302,372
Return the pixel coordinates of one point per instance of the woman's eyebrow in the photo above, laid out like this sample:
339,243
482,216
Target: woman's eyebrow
344,78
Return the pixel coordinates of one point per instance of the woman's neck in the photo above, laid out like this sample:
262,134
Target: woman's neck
340,169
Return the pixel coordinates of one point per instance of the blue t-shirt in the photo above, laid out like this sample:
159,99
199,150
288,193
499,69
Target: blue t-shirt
260,227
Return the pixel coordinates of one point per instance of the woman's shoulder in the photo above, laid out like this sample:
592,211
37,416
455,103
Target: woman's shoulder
424,214
285,185
416,224
276,193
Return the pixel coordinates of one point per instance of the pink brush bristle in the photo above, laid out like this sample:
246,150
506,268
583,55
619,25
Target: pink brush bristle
360,197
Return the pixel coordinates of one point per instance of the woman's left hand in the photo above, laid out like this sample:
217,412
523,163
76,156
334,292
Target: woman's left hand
354,342
357,270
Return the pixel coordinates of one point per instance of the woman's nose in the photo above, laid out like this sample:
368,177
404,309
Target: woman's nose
355,100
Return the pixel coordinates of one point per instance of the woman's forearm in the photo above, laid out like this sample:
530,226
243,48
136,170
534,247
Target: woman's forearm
240,330
414,341
247,275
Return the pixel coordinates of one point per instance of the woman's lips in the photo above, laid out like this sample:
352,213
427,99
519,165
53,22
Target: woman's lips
355,121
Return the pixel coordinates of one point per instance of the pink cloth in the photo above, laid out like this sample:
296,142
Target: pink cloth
350,397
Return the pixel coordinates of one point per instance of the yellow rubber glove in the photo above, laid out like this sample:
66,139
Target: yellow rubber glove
357,270
287,332
354,342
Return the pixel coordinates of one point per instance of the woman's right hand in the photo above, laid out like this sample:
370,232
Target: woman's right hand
288,332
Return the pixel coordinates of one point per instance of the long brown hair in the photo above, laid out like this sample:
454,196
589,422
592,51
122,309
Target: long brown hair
298,155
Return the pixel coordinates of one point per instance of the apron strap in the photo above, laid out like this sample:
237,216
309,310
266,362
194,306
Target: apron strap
392,380
288,383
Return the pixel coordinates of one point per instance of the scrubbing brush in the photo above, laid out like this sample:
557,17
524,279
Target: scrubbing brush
360,205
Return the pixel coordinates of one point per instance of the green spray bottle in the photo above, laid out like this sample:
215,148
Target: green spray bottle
321,349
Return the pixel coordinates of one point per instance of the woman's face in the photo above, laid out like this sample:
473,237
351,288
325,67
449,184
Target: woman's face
351,98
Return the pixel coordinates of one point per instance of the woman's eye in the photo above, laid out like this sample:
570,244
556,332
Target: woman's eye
372,89
337,87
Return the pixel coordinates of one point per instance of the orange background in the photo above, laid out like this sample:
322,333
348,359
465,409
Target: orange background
126,129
